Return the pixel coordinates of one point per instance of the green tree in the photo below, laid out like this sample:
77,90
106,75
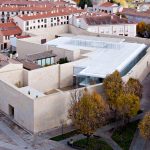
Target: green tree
113,87
144,126
82,3
133,86
88,113
63,60
127,106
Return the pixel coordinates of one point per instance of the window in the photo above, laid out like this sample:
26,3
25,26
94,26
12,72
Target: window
41,20
38,26
39,62
41,26
45,25
51,25
43,62
27,28
54,18
51,19
48,61
45,21
30,27
33,27
52,60
38,20
27,23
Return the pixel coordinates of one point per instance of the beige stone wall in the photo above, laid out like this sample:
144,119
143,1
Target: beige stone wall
66,74
50,32
26,48
23,105
12,73
44,79
53,108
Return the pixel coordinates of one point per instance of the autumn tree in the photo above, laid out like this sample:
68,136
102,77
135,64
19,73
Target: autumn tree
144,126
113,87
127,106
141,28
88,113
133,86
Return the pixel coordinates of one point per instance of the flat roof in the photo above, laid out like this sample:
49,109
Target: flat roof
41,55
31,92
104,55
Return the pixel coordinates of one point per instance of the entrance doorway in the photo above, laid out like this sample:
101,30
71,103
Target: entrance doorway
11,111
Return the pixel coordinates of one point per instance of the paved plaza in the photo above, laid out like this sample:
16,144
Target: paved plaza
12,137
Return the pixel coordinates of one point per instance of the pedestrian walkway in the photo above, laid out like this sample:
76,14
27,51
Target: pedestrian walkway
138,142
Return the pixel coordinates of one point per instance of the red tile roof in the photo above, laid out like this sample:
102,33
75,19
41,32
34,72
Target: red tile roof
134,12
10,28
106,20
54,12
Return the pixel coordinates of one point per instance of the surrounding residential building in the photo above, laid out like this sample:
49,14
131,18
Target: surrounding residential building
137,16
108,7
56,17
7,31
102,23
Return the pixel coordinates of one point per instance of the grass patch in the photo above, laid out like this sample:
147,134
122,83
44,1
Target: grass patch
64,136
124,136
94,144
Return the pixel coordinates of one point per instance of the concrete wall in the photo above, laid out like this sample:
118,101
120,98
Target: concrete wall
44,79
66,75
48,78
53,108
12,73
26,48
50,32
23,105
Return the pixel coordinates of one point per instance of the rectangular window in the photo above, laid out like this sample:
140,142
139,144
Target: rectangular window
27,23
39,62
52,60
43,62
45,21
48,61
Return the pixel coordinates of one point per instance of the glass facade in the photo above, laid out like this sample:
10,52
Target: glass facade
89,80
46,61
132,63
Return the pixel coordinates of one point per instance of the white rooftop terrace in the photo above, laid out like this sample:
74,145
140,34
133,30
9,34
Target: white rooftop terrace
31,92
106,56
